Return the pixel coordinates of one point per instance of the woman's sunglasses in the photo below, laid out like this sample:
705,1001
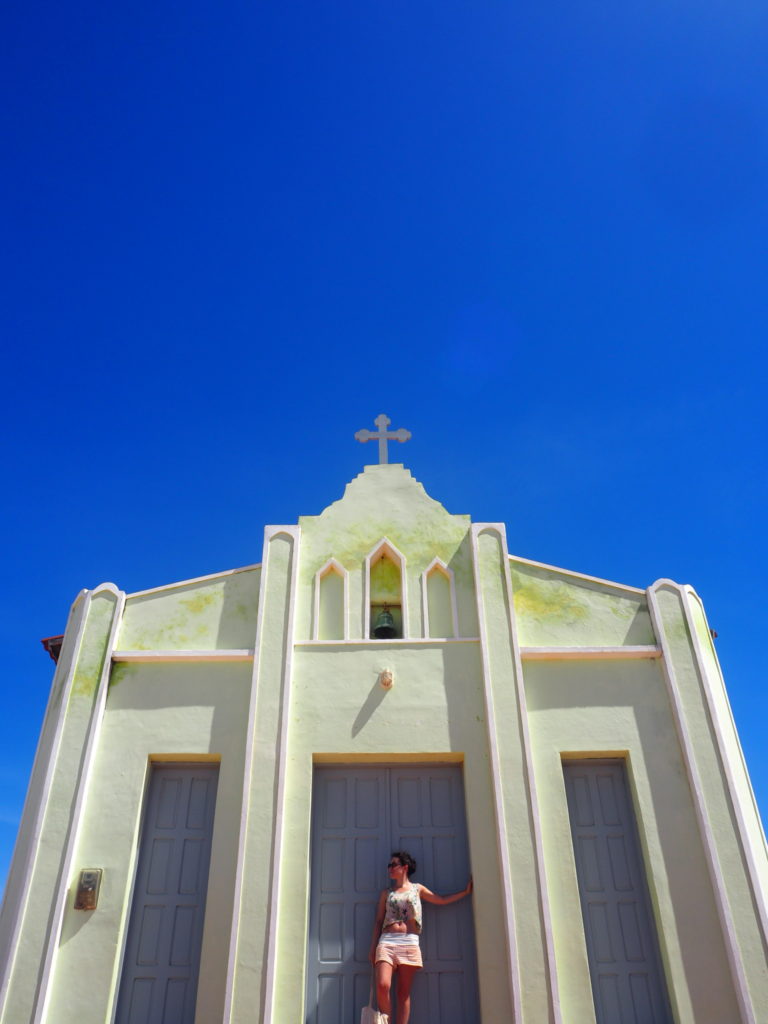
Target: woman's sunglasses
394,864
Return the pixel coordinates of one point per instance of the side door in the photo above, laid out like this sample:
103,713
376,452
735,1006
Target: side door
624,960
162,957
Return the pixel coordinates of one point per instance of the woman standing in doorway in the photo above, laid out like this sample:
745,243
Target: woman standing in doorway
395,941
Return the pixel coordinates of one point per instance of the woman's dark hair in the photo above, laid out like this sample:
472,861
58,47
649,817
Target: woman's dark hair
406,860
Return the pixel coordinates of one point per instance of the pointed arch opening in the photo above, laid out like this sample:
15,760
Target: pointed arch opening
438,593
330,618
385,594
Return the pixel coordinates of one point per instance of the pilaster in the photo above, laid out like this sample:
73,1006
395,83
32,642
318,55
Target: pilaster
40,871
532,969
255,933
713,773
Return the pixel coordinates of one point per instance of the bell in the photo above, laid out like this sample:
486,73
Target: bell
384,626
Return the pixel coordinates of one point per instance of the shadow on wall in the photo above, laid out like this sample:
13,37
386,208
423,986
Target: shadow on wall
239,610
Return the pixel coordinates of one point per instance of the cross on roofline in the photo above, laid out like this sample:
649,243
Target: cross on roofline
382,435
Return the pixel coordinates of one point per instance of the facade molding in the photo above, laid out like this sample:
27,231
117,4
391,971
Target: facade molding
81,795
640,651
513,961
756,890
578,575
229,988
189,583
67,669
156,657
544,901
697,789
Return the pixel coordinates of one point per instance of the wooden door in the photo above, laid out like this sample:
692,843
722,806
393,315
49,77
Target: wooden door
359,816
624,960
162,957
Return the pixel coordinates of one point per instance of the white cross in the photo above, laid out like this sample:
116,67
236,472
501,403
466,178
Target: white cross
382,436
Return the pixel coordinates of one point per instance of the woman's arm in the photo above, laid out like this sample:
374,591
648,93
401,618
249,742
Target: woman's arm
432,897
380,911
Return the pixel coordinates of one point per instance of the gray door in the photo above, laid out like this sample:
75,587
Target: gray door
162,956
359,816
624,961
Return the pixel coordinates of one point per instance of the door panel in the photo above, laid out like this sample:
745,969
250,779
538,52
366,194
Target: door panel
359,816
162,956
625,964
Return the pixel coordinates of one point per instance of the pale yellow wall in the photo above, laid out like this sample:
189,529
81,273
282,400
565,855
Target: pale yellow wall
185,710
340,712
601,709
558,609
202,615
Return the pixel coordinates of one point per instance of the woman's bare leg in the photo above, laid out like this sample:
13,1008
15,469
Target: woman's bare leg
384,986
405,976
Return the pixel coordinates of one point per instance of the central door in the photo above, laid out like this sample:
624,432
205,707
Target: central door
359,815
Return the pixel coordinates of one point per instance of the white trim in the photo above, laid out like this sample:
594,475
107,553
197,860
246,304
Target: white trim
153,657
250,740
246,654
294,532
414,641
697,791
384,545
546,910
195,579
331,566
82,784
577,575
438,565
285,708
128,896
39,812
758,894
502,834
589,653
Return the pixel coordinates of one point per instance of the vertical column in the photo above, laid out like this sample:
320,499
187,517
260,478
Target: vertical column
531,949
700,727
39,873
254,940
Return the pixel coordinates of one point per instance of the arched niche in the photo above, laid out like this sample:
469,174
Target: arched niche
385,588
438,592
330,618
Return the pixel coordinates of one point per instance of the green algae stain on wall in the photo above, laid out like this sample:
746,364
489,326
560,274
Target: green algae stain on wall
547,600
386,502
556,609
199,603
90,660
389,503
207,615
120,673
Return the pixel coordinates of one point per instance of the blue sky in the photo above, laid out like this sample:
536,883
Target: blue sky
533,234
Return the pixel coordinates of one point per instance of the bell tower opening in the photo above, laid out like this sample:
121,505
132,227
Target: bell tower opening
386,605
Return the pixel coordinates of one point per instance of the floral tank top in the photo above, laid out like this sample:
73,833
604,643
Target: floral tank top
403,907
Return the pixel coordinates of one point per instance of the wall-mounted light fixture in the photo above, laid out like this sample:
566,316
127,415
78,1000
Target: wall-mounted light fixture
386,679
88,885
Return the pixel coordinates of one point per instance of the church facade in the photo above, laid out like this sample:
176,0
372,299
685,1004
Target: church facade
226,763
